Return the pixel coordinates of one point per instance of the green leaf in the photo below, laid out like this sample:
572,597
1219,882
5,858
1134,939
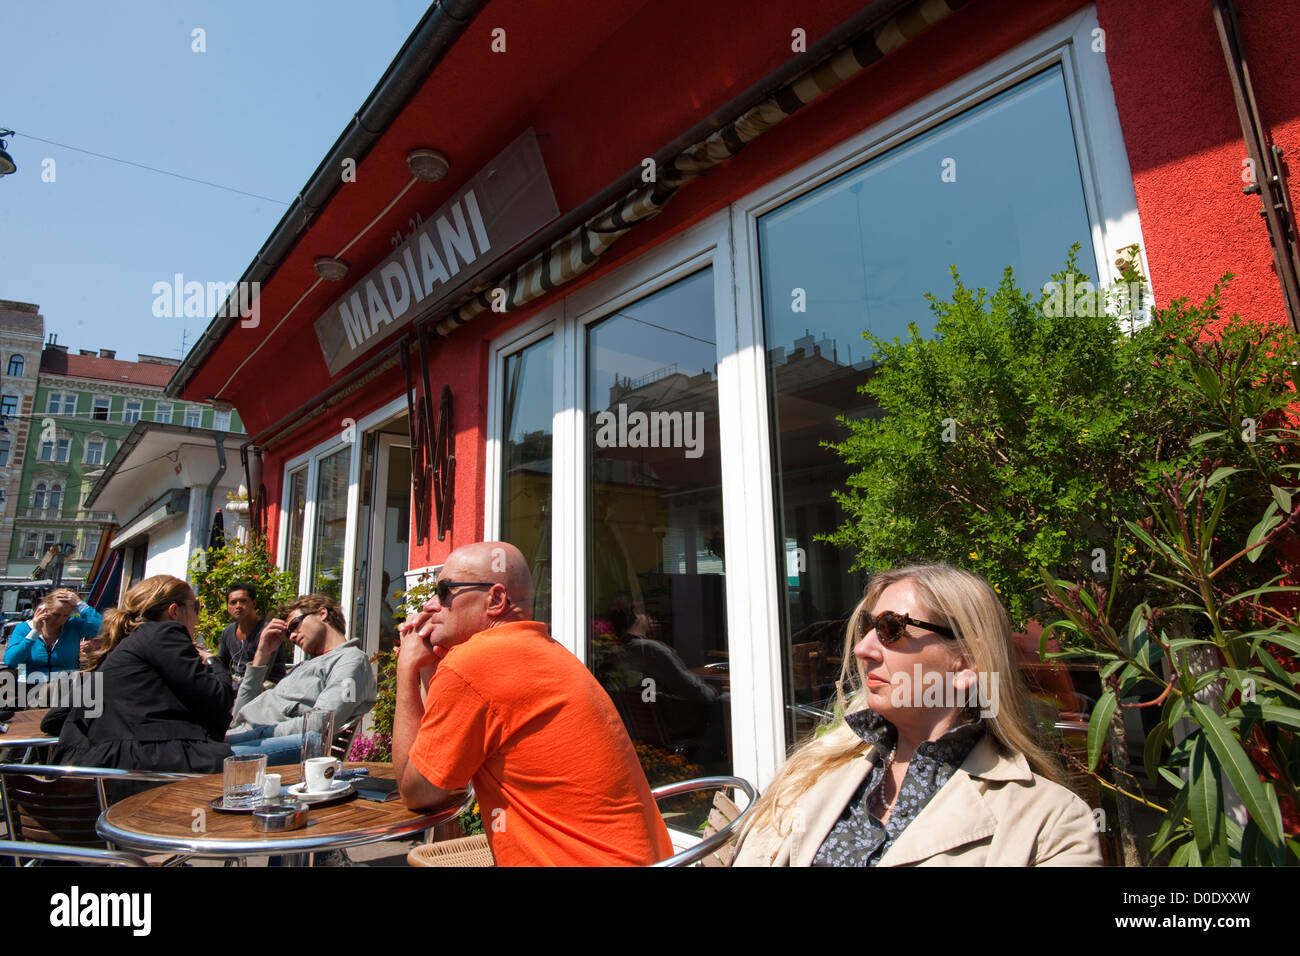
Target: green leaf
1268,713
1290,641
1155,745
1099,726
1206,436
1241,773
1258,533
1173,824
1282,497
1171,778
1219,474
1204,803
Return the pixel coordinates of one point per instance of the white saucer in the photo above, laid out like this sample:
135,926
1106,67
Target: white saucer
338,788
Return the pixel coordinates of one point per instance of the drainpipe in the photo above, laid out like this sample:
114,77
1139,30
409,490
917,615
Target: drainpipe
205,525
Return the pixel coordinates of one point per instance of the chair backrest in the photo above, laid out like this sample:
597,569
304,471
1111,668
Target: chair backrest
61,804
21,850
342,742
724,818
51,809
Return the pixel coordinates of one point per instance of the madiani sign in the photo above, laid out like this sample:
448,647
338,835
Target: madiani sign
507,200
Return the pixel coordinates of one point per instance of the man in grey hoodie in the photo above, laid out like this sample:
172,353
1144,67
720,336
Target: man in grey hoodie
337,677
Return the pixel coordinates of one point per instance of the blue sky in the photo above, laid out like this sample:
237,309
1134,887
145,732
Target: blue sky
256,111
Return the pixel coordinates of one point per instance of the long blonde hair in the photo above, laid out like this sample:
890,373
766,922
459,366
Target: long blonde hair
965,603
146,601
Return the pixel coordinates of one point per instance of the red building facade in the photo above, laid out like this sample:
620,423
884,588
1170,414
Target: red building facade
638,392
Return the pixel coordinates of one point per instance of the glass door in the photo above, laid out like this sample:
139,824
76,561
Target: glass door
389,545
656,552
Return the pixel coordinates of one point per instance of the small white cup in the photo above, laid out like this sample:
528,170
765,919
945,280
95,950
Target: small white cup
271,786
320,773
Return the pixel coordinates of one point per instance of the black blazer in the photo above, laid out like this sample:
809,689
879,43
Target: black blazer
157,688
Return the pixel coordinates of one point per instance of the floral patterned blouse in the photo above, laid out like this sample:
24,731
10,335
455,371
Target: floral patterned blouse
859,838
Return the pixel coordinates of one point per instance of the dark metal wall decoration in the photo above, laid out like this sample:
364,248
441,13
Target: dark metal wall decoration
1270,170
433,466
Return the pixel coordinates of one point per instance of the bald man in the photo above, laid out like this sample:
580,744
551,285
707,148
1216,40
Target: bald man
557,779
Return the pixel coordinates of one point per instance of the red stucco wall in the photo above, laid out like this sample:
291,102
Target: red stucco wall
1185,145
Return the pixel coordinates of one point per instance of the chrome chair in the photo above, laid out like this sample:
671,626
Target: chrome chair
724,819
61,804
20,850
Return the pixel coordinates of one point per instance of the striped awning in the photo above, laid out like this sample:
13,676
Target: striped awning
571,256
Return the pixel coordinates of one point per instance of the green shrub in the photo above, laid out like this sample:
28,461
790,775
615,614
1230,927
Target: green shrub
214,570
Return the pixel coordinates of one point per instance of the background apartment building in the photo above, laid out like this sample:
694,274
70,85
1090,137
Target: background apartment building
22,330
84,405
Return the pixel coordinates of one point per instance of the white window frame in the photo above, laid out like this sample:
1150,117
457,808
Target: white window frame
108,412
1112,212
312,459
132,406
61,399
705,245
221,421
103,452
157,412
197,412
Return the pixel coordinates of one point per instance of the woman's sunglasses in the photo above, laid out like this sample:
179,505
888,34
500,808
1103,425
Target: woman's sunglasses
890,626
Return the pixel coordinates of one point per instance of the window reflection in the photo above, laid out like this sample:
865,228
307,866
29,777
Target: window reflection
997,186
297,517
331,523
528,404
658,640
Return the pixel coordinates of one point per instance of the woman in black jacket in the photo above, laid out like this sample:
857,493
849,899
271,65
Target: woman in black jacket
163,706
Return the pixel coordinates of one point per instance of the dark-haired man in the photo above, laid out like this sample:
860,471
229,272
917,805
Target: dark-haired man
337,677
239,640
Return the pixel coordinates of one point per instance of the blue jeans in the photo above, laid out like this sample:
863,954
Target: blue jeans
279,750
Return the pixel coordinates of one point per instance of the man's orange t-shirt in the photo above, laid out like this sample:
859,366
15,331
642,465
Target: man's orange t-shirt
557,779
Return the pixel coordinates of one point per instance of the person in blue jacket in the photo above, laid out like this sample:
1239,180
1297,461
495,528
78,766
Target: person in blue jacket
52,640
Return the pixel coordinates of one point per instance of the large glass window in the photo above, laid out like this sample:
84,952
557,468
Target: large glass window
996,186
15,366
131,411
656,550
8,405
297,520
162,413
99,408
526,463
331,523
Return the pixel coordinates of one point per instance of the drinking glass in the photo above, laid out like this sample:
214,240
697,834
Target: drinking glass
241,781
317,735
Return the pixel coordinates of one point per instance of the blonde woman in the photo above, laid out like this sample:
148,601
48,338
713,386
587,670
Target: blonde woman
935,762
163,706
59,630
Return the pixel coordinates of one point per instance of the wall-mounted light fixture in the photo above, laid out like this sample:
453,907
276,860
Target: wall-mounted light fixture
327,267
428,165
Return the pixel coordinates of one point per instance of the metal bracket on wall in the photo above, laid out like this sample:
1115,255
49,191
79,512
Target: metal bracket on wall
1270,179
433,466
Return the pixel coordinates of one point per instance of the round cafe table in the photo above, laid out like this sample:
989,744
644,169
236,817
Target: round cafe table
178,818
24,731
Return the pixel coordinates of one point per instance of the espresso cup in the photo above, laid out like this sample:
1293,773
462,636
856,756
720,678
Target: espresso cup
319,773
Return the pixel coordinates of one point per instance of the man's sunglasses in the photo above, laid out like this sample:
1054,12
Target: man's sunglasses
890,626
444,588
293,625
